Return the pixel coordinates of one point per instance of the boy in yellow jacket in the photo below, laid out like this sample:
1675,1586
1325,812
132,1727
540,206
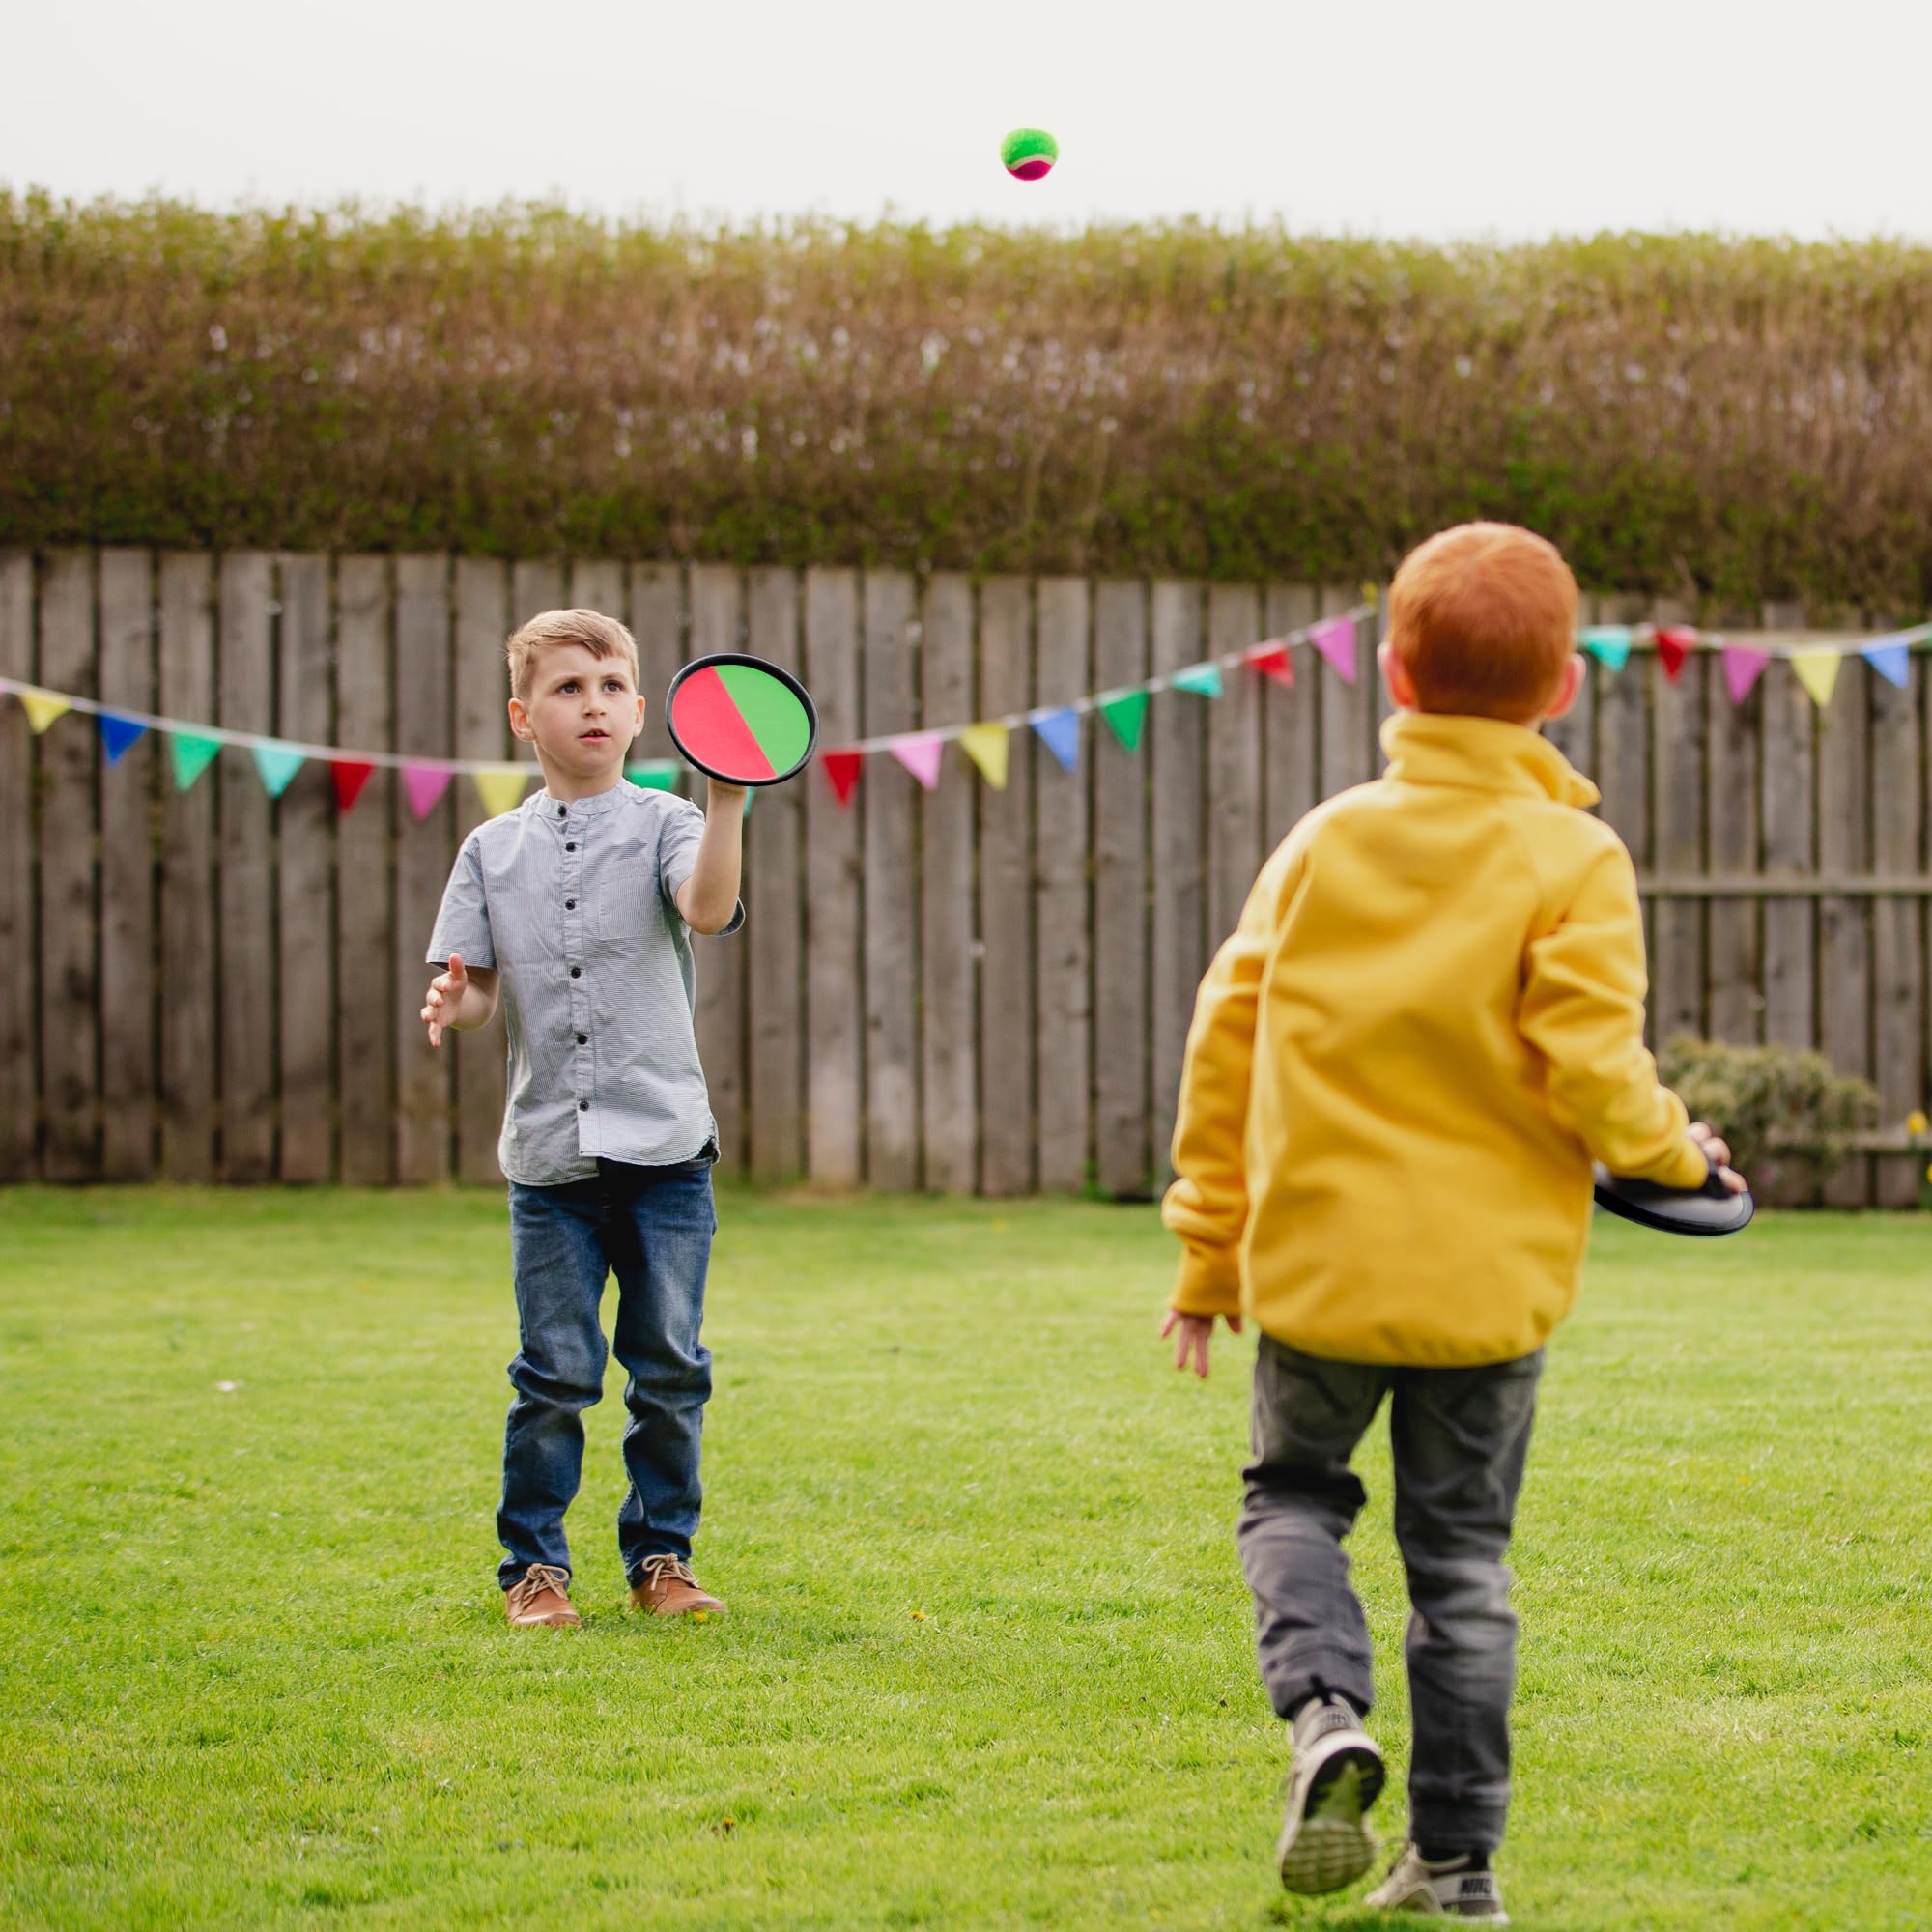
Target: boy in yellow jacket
1428,1022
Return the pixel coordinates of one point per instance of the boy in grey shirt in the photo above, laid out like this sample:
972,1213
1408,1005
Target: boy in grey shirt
576,910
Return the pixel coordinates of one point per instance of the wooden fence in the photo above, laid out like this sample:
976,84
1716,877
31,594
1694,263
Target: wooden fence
965,989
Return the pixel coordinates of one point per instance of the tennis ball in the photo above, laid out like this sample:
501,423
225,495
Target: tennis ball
1029,154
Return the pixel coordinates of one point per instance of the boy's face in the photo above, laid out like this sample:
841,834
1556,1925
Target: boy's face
583,712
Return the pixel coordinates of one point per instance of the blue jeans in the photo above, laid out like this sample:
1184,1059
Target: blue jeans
1460,1438
652,1228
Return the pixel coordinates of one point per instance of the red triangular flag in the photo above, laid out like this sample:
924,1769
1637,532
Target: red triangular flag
1272,661
842,769
349,779
1673,646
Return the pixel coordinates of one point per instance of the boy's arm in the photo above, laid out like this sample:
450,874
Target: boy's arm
707,901
464,994
1582,1009
1207,1204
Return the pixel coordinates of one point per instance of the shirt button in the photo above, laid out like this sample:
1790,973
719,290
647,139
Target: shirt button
563,812
584,1039
571,845
576,972
570,906
583,1106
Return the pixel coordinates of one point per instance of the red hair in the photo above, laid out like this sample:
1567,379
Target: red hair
1484,617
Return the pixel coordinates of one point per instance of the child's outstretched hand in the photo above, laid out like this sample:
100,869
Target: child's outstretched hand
1191,1335
1717,1152
445,996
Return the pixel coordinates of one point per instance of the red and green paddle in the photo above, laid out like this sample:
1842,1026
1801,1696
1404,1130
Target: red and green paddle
741,720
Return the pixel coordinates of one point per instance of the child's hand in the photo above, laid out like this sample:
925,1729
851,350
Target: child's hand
1191,1335
718,792
1719,1153
445,996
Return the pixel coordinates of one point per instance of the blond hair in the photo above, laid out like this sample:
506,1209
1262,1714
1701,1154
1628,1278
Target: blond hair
1484,616
601,635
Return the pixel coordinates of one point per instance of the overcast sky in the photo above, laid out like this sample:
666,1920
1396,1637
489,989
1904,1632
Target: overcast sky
1386,117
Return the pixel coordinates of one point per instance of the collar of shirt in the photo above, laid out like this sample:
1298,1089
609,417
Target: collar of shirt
593,807
1481,754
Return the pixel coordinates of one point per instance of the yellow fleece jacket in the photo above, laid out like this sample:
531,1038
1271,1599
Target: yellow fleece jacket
1401,1064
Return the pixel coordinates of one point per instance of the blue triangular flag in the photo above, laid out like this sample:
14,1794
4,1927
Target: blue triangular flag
1060,732
277,764
1891,659
117,733
1202,679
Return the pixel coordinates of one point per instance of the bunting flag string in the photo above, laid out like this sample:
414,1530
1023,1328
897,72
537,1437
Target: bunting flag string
1815,661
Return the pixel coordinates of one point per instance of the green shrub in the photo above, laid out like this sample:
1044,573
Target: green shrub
1783,1109
1718,420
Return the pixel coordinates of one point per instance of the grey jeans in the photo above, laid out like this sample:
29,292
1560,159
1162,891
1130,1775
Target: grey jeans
1460,1437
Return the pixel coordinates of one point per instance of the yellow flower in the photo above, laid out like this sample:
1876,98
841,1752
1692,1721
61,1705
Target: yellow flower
1916,1123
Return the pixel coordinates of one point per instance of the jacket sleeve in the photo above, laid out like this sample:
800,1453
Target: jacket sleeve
1207,1204
1582,1011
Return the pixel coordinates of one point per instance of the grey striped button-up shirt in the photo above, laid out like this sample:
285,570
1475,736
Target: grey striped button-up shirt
575,906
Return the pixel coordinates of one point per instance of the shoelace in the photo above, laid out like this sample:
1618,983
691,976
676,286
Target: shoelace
660,1570
543,1576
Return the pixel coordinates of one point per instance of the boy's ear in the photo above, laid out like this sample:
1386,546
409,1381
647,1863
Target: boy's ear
520,719
1575,669
1395,675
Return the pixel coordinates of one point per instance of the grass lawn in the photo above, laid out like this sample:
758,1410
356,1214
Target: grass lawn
988,1662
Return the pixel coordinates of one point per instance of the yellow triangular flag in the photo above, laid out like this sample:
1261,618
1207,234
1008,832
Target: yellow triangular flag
986,745
1818,672
501,787
43,707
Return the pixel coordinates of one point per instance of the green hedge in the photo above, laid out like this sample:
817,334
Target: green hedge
1723,421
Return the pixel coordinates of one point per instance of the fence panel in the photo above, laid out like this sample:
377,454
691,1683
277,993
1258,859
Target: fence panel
69,993
1063,972
891,930
952,987
834,1009
948,977
187,880
366,949
480,688
774,937
1123,1157
128,1119
1007,1125
19,1067
305,878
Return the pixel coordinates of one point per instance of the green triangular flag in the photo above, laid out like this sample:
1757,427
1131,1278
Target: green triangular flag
657,775
192,755
277,764
1126,712
1202,679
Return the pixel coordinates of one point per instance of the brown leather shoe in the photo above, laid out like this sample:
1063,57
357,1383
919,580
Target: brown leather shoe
671,1590
541,1596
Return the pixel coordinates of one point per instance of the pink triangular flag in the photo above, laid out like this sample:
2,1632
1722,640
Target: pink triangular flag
920,755
1335,639
1744,665
425,785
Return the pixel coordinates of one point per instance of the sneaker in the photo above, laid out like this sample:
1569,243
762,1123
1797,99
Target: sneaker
668,1589
1450,1887
1336,1775
541,1595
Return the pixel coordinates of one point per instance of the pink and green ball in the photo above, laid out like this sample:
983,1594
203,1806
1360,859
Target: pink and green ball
1029,154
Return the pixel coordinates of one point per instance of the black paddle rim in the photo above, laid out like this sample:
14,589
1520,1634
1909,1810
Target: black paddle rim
1707,1210
765,664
